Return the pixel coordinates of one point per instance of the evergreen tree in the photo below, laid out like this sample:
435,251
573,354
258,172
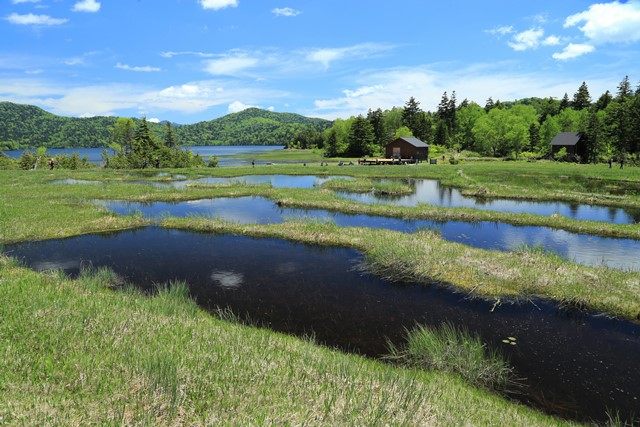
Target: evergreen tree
464,103
534,136
410,113
603,101
331,143
624,89
592,137
143,146
489,105
442,134
376,119
633,107
423,129
565,102
582,99
361,138
169,137
121,135
443,107
451,114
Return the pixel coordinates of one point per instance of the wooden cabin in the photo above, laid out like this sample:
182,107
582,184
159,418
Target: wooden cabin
407,148
572,141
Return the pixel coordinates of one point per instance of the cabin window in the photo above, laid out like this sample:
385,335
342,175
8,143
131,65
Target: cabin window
396,151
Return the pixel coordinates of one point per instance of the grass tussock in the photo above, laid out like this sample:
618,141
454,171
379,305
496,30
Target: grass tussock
366,185
424,257
449,349
77,353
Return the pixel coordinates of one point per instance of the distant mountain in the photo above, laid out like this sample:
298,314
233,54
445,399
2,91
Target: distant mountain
252,126
31,126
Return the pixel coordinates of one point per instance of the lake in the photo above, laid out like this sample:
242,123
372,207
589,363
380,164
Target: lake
569,362
225,153
581,248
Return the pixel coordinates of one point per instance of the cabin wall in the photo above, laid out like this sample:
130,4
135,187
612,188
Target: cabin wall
407,151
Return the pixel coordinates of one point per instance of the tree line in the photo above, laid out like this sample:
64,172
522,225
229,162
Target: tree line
610,126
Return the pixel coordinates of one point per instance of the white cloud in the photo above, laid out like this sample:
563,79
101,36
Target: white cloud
230,65
75,100
614,22
139,69
31,19
528,39
153,120
218,4
389,88
90,6
326,56
573,50
74,61
170,54
501,31
285,11
551,41
237,106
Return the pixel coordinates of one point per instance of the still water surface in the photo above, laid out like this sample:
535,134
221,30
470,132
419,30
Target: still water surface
571,363
432,192
582,248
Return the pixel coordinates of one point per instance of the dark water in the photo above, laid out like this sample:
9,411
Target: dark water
571,363
432,192
582,248
227,155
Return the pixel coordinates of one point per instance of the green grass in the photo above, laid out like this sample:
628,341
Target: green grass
449,349
367,185
79,353
424,257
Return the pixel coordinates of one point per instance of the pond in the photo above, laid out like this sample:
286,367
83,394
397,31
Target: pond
276,181
582,248
570,363
228,155
432,192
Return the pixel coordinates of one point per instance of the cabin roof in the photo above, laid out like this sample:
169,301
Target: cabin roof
566,138
413,141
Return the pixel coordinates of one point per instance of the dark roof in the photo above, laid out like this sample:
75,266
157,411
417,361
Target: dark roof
413,141
566,138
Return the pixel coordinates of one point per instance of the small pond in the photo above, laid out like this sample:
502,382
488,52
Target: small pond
571,363
276,181
432,192
581,248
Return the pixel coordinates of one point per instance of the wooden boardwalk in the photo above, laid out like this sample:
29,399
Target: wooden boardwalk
386,161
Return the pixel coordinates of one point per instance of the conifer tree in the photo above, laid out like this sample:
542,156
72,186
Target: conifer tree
582,99
169,137
377,123
489,105
624,89
604,100
564,104
361,138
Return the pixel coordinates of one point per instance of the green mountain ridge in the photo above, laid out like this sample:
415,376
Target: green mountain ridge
24,126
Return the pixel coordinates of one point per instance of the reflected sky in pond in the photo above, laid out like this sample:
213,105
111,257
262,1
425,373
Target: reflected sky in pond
432,192
581,248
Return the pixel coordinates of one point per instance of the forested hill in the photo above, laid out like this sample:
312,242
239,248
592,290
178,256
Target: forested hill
252,126
24,126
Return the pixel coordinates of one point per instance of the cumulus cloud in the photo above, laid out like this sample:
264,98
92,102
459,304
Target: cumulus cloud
31,19
614,22
154,120
528,39
237,106
218,4
89,6
285,11
389,88
326,56
105,99
551,41
138,69
230,65
501,31
573,50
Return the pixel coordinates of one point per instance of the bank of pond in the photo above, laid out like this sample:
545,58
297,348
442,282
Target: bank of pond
423,191
566,361
581,248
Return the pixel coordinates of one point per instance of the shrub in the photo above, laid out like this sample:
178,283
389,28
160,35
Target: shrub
449,349
561,155
213,162
454,160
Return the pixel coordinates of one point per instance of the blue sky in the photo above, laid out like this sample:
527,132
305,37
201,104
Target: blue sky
192,60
